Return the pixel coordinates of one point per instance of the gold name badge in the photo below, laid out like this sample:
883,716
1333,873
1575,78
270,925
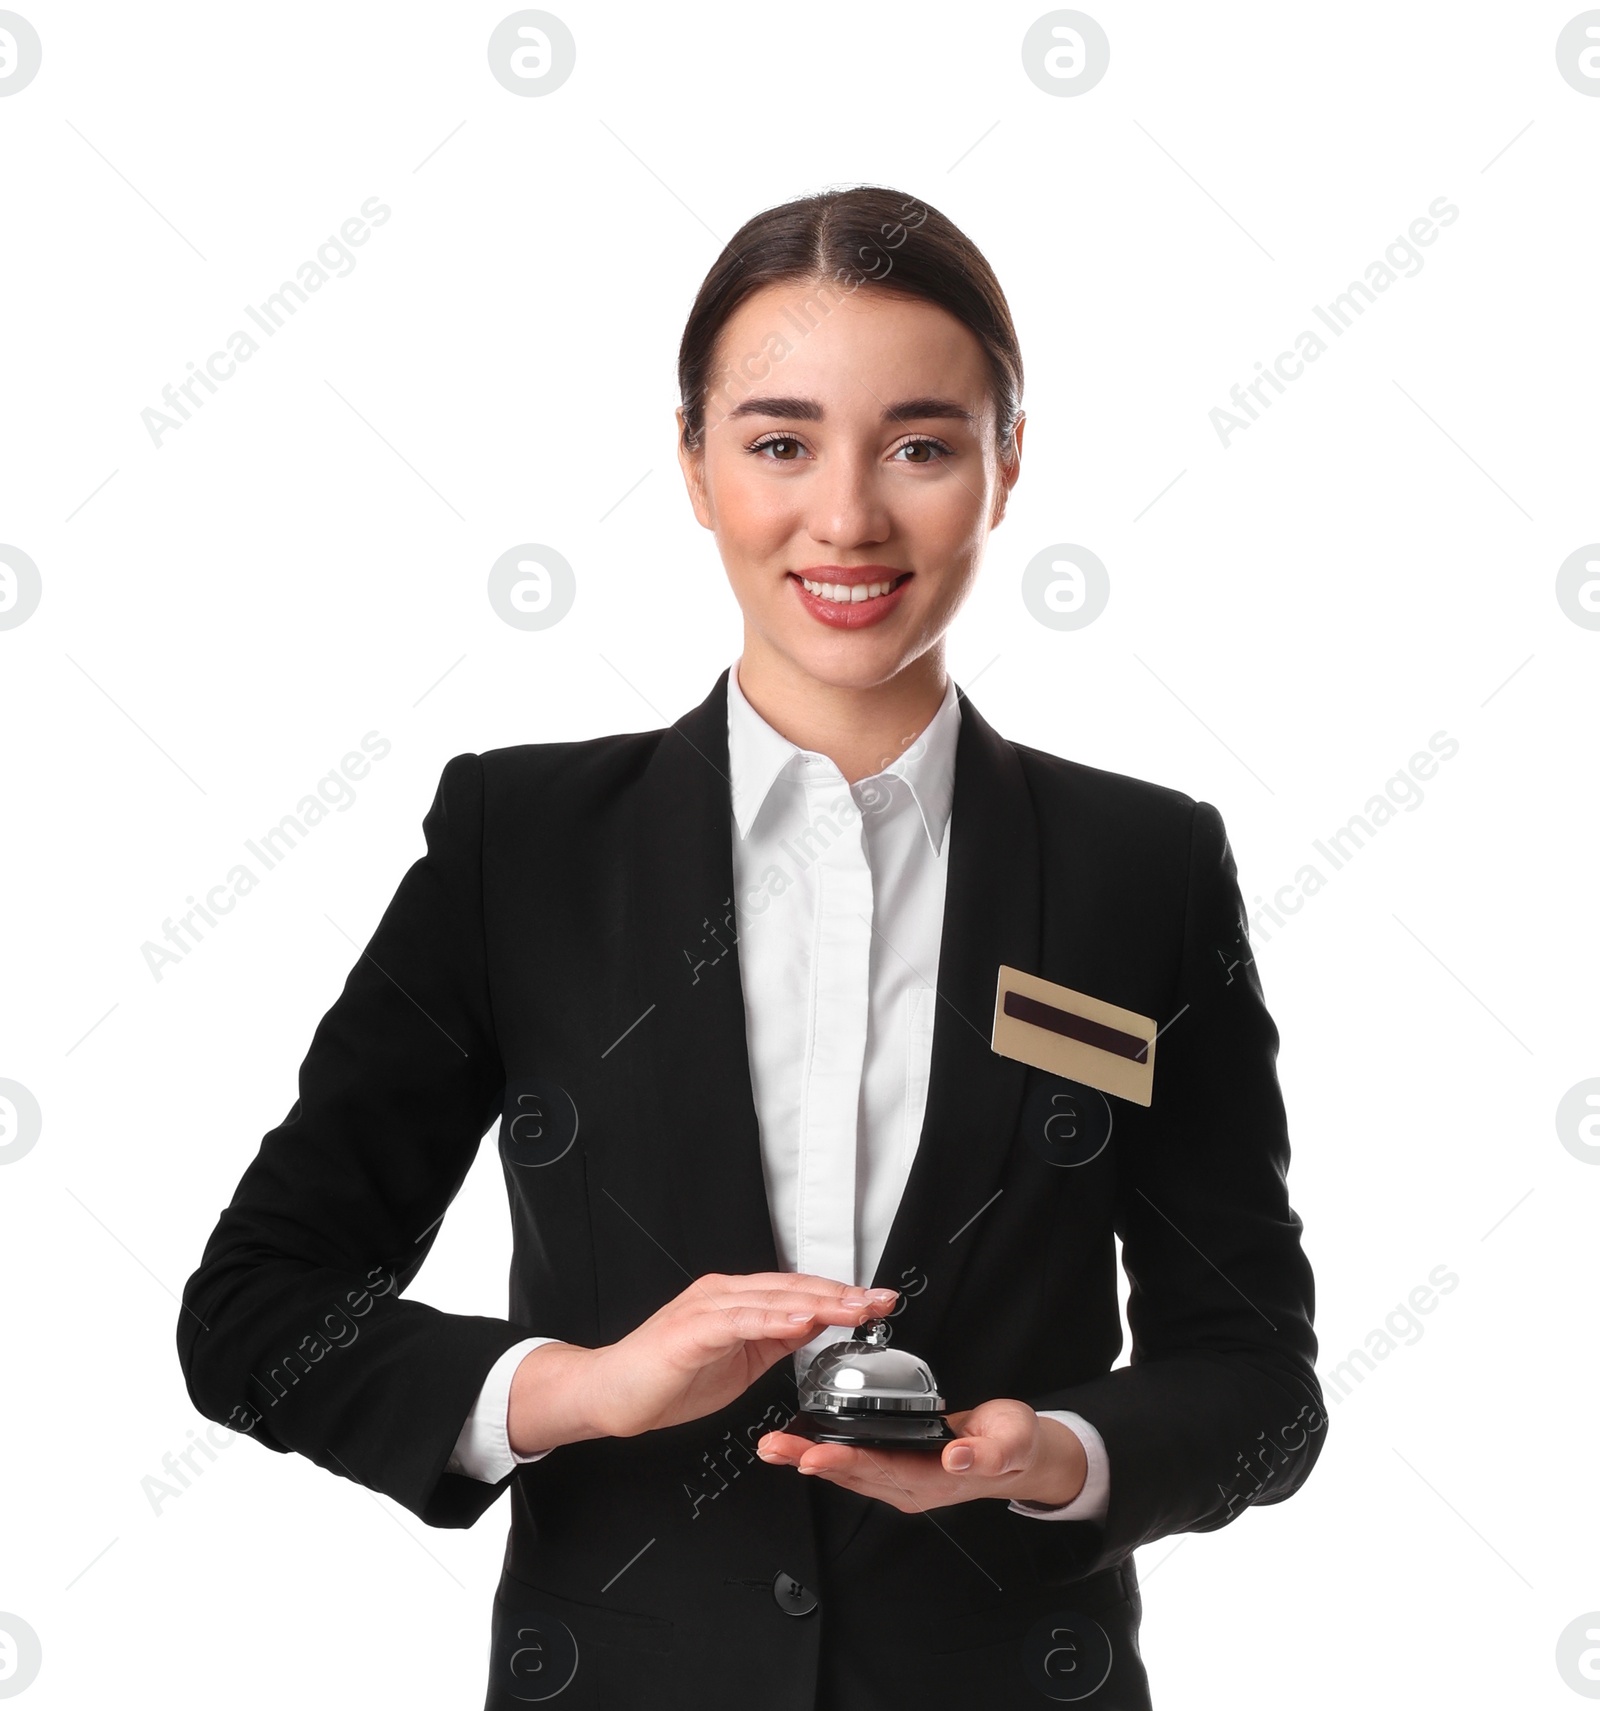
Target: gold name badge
1073,1035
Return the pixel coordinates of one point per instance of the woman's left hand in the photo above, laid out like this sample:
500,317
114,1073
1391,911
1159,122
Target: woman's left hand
1003,1450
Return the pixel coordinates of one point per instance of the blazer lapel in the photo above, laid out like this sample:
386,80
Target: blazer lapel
682,932
991,916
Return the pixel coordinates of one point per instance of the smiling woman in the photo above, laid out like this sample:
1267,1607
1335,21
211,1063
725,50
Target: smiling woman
718,1165
893,418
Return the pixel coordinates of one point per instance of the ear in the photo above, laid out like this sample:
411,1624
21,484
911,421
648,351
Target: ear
1009,471
693,465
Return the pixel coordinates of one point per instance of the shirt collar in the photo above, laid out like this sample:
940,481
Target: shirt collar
757,755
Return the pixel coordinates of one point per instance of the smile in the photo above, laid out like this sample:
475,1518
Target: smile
843,593
850,605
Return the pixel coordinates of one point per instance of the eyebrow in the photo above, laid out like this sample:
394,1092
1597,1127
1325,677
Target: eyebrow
808,410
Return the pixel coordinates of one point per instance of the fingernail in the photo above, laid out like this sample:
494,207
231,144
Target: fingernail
960,1460
800,1318
854,1298
882,1294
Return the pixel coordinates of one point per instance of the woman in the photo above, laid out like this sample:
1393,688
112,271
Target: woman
734,990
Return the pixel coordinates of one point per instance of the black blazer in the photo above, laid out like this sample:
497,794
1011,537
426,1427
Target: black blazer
564,957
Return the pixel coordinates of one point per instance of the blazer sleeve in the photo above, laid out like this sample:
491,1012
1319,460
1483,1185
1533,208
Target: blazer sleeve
294,1328
1220,1406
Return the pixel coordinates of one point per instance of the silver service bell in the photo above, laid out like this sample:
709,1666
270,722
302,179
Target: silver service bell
858,1390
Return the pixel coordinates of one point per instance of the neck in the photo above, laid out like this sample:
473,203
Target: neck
860,730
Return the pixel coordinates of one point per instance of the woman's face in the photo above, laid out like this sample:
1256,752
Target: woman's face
807,474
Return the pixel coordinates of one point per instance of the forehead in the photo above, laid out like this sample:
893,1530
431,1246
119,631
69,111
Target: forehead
848,348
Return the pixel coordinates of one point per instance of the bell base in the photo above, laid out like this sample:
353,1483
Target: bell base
873,1431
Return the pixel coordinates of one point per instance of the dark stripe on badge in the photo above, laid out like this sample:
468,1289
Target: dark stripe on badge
1097,1034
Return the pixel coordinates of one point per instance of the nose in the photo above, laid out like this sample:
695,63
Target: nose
847,507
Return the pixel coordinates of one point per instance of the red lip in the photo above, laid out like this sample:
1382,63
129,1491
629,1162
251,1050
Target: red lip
856,614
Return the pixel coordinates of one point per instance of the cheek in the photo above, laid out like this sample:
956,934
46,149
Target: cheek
752,516
948,520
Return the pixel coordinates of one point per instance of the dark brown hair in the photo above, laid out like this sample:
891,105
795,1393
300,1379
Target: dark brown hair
845,239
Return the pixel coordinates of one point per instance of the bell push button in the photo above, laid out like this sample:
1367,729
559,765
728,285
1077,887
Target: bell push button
793,1599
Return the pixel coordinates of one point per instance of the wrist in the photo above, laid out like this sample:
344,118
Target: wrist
1062,1467
550,1400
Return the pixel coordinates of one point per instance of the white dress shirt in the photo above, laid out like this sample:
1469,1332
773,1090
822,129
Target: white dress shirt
839,891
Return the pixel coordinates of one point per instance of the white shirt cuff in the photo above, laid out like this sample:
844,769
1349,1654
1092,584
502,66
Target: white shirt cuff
1092,1502
483,1450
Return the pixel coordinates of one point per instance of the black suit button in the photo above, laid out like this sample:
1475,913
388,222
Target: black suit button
793,1598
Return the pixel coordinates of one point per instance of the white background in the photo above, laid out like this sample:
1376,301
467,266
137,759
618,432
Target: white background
306,560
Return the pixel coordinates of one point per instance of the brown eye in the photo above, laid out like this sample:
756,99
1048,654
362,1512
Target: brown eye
778,440
928,451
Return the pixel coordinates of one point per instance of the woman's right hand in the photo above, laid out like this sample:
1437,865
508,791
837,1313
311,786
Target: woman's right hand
694,1355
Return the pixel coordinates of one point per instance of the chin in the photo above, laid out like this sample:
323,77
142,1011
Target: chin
851,662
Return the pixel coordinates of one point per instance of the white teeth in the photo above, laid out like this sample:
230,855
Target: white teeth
843,592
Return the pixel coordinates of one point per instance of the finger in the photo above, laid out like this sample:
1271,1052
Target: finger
823,1309
903,1479
988,1448
791,1448
809,1283
717,1329
748,1294
900,1478
838,1461
783,1449
796,1304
